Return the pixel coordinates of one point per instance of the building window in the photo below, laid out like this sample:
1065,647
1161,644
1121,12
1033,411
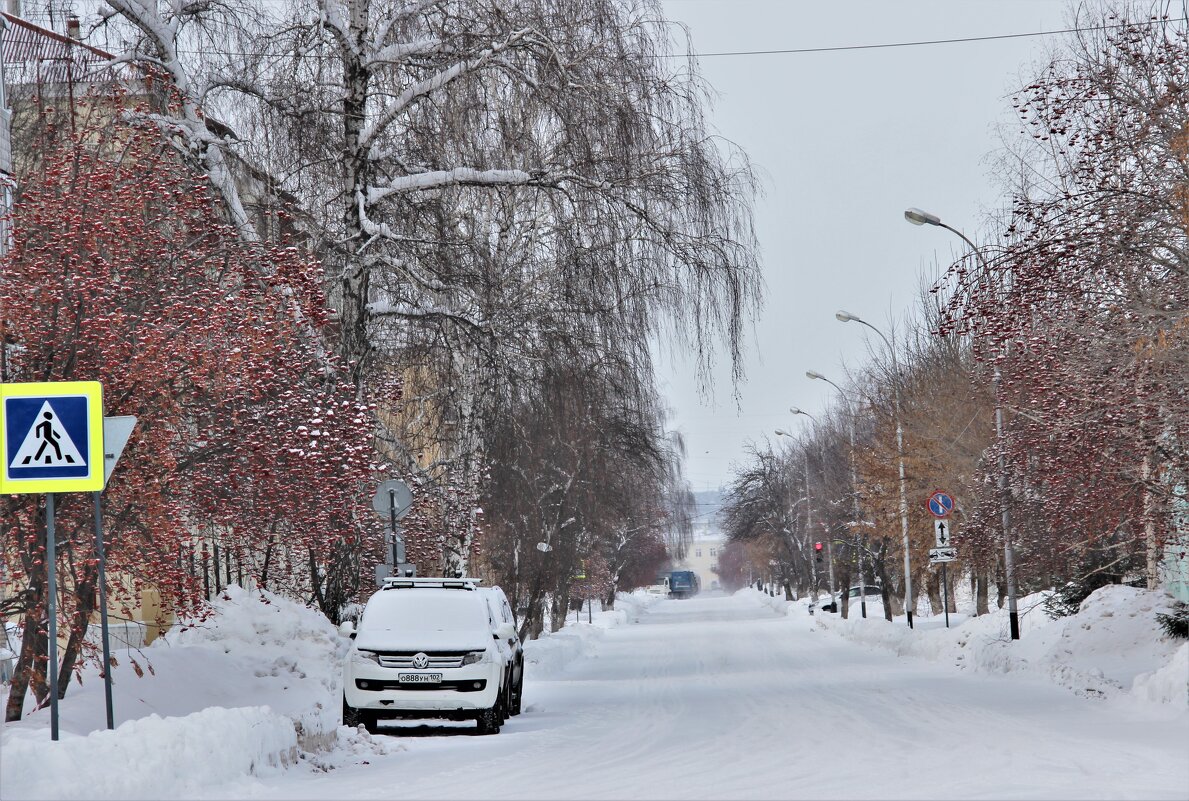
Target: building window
714,551
698,553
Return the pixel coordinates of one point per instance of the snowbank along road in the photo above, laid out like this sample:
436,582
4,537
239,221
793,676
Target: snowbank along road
719,697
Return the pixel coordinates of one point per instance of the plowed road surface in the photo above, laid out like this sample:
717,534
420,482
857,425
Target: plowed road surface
718,697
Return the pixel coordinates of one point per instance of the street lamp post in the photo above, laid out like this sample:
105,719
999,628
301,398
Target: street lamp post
854,488
809,516
919,217
847,317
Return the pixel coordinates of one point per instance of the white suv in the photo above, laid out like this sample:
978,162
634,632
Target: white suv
428,648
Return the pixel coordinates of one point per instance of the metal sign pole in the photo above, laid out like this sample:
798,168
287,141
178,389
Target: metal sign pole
940,505
392,501
392,520
103,611
837,602
945,598
51,559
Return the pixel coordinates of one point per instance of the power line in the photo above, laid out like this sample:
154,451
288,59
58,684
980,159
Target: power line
803,50
923,42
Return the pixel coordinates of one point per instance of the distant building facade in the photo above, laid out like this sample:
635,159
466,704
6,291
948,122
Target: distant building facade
702,558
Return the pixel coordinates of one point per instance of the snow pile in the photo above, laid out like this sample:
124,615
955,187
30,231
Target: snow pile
1113,646
775,602
283,651
552,651
153,757
1166,685
248,690
635,603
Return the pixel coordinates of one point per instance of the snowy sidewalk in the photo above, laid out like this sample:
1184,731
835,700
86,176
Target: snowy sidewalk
1112,648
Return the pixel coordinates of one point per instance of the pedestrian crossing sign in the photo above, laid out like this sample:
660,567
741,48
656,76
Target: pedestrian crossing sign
51,437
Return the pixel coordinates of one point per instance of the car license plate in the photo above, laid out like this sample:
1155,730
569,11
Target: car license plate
419,678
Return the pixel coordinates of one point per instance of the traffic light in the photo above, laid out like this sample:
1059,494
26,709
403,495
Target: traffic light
817,552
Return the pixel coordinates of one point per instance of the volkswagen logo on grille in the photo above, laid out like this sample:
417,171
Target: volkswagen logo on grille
421,661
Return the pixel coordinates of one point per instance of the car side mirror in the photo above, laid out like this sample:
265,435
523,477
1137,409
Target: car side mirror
505,631
347,629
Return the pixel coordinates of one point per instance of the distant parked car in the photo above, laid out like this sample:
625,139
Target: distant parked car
872,591
825,604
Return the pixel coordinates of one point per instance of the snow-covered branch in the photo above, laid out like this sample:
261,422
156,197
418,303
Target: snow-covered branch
433,83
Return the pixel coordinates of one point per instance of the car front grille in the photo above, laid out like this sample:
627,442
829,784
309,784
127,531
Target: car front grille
438,660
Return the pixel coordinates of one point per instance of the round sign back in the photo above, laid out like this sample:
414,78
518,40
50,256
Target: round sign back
387,492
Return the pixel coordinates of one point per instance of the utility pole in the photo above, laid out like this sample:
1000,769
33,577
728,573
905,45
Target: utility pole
854,484
809,512
809,527
909,599
859,540
919,217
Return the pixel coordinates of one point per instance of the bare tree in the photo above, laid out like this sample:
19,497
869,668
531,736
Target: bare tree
478,176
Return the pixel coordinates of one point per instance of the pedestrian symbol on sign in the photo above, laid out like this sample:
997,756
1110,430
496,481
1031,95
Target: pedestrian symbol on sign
47,444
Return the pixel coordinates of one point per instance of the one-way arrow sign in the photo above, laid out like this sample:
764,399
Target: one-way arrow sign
941,532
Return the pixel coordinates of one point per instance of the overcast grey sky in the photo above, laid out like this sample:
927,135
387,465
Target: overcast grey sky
844,142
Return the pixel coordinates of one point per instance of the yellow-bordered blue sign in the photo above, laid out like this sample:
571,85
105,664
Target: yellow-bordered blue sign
51,437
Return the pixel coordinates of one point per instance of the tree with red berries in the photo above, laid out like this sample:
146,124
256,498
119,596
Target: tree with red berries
122,270
1083,308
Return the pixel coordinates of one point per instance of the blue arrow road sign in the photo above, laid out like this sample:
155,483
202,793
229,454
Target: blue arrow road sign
941,504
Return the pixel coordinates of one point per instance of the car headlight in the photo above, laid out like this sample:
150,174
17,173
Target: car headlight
365,656
474,657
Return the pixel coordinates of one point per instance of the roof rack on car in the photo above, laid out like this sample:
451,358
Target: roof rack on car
460,583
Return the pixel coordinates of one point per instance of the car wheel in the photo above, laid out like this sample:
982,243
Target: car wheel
517,695
351,716
489,720
503,706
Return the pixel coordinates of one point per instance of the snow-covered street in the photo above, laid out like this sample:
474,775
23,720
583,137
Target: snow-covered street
594,399
720,697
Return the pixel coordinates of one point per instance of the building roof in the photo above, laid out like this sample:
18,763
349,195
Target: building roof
37,55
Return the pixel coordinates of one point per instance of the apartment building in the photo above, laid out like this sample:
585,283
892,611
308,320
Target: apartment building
702,558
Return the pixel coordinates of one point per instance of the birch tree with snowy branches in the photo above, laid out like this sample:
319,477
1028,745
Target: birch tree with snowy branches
475,173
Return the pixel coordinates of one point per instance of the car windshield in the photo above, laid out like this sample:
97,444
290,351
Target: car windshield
424,610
